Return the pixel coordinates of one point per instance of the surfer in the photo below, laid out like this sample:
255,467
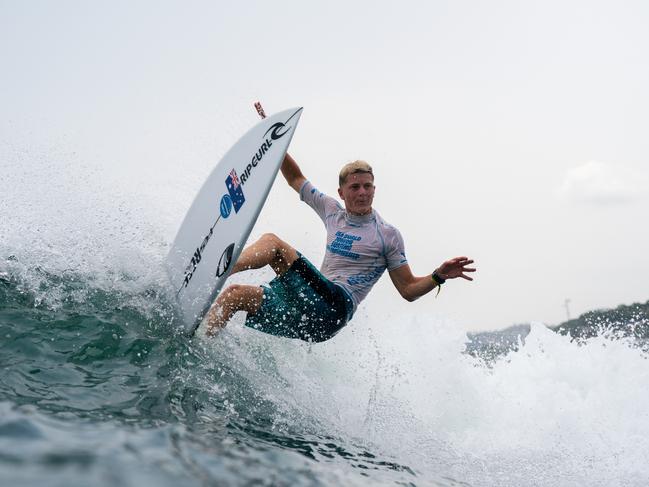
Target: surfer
313,305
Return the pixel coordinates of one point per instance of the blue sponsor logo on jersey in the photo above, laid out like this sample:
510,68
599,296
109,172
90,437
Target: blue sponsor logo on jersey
236,191
226,206
342,245
368,278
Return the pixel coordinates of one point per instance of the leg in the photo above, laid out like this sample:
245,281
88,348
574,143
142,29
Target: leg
234,298
268,250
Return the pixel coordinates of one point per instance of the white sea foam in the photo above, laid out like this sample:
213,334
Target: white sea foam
552,413
64,218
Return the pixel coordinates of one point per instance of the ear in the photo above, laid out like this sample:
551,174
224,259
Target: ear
340,193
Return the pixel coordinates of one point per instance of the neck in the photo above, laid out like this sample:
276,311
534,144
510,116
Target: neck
355,213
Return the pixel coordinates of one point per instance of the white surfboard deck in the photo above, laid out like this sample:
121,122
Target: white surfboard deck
223,214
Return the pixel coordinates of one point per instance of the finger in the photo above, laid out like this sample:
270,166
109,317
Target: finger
466,277
468,269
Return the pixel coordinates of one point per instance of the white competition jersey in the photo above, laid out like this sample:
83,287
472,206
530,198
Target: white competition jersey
359,248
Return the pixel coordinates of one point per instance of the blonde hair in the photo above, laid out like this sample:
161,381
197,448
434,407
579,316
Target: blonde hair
354,168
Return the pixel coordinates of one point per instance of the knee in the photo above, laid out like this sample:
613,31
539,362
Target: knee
229,299
273,239
276,244
230,294
237,295
232,288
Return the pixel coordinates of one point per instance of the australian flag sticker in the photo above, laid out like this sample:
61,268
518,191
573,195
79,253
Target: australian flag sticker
234,188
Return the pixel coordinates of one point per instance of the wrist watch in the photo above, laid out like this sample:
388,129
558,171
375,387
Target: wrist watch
438,279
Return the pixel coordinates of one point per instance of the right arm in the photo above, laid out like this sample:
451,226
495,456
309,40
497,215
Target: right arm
292,174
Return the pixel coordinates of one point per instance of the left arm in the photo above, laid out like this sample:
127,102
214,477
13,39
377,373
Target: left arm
412,287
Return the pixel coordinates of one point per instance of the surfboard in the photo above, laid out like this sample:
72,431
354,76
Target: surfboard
220,219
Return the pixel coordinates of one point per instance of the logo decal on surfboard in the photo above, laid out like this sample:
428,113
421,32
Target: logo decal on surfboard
236,192
226,206
276,134
225,260
196,258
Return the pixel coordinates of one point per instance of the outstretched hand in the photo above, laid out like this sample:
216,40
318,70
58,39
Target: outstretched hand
456,267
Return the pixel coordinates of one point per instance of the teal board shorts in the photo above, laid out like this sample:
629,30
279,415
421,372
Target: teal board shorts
303,304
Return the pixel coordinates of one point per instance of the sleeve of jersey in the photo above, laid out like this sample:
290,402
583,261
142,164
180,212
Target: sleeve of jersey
395,249
320,202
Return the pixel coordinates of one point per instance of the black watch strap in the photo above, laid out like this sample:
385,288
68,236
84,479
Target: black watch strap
438,279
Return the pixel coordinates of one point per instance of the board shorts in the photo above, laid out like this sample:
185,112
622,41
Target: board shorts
303,304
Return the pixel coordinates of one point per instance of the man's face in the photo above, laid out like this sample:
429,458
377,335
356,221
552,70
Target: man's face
358,193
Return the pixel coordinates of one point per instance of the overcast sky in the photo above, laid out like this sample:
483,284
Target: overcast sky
512,132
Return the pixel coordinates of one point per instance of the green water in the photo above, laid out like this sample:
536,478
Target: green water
102,390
